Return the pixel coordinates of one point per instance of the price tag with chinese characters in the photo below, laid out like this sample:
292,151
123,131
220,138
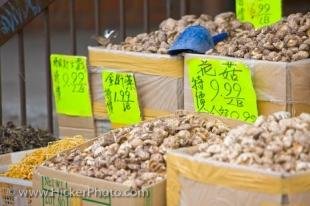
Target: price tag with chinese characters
259,12
223,88
70,85
121,98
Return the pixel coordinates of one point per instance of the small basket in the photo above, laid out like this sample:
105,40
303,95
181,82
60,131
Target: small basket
13,191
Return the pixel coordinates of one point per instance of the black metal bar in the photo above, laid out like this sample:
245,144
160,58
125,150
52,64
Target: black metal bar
146,16
97,17
49,98
22,80
122,19
168,8
183,7
72,26
0,90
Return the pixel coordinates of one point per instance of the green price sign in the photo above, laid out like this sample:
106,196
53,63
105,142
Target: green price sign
223,88
121,97
259,12
70,85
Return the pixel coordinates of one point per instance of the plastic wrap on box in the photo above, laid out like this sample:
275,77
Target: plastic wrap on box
278,85
193,181
152,94
93,191
159,80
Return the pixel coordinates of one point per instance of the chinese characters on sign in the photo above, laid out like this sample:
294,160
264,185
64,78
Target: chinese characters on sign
259,12
223,88
70,85
121,97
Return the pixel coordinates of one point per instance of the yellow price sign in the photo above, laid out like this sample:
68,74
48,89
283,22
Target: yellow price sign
259,12
223,88
121,98
70,85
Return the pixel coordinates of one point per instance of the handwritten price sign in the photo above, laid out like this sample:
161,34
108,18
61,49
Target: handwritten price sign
223,88
259,12
121,97
70,85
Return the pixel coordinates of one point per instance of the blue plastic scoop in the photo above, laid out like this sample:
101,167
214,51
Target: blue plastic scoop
195,39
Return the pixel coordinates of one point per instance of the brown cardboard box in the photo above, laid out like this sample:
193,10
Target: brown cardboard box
159,80
86,191
196,181
278,85
7,184
47,177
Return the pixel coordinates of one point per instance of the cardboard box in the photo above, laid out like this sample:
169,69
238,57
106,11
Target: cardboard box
197,181
9,186
84,189
159,80
71,126
45,178
279,86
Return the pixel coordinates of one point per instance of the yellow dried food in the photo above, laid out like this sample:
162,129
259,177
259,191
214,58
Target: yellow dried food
24,168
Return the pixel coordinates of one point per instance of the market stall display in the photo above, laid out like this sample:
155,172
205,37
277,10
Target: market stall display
159,77
132,158
158,81
152,81
278,57
263,163
199,110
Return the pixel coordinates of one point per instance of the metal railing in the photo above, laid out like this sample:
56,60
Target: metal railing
15,14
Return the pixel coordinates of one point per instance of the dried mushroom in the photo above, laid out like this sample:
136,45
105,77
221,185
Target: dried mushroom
15,138
134,156
159,41
276,143
287,40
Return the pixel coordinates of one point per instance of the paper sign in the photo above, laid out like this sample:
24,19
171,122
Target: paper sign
70,85
223,88
56,192
121,97
259,12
